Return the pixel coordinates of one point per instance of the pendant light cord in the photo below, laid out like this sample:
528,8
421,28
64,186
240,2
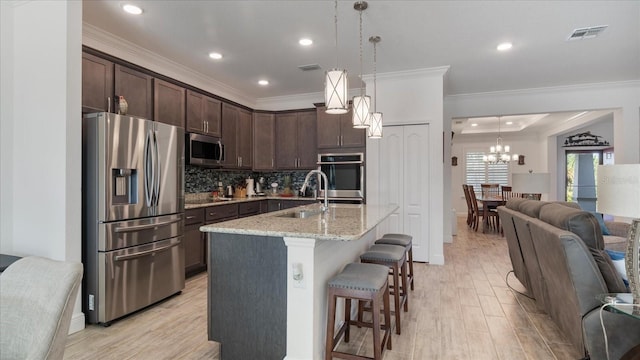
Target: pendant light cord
375,86
361,85
335,22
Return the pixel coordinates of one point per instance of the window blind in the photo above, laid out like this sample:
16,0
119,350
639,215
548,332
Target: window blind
478,172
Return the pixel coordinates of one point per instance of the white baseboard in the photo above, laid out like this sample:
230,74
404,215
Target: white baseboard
437,260
77,323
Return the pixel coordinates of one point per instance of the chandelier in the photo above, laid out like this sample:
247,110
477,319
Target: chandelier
499,153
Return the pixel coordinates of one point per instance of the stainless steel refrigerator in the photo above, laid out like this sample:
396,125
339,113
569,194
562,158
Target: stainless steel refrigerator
133,201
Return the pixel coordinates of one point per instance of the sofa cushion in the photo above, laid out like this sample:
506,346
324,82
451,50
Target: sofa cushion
600,220
532,207
570,204
609,272
615,243
514,203
581,223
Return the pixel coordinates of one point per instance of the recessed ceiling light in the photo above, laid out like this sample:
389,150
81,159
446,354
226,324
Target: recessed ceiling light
474,124
263,82
505,46
132,9
305,42
509,123
215,55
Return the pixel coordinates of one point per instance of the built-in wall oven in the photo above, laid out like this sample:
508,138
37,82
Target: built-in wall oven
345,174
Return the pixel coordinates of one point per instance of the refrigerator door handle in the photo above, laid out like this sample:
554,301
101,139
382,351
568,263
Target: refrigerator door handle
145,226
157,169
145,253
148,170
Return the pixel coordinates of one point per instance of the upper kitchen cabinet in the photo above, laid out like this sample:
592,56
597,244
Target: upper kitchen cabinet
97,84
296,141
336,131
264,126
168,103
137,89
237,137
203,114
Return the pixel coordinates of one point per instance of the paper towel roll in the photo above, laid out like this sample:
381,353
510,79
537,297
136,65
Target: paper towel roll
250,187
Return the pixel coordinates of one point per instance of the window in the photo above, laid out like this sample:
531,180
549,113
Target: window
478,172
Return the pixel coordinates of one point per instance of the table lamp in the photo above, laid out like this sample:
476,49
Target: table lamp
619,195
530,183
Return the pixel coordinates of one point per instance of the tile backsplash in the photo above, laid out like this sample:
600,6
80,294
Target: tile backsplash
199,179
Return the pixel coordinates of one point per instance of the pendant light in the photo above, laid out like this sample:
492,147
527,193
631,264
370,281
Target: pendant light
375,130
336,84
362,103
499,153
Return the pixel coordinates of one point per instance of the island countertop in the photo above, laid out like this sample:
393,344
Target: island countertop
342,222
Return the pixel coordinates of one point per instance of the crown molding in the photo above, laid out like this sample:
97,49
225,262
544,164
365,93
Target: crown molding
439,71
111,44
629,84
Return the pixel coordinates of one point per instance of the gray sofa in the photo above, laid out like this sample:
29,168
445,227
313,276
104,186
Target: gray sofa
557,253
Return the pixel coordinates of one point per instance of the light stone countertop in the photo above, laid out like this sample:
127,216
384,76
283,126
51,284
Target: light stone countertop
200,202
343,222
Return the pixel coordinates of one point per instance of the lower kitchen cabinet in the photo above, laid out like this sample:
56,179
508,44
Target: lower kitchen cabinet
195,244
275,205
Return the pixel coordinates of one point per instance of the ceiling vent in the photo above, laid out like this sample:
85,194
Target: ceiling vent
309,67
587,33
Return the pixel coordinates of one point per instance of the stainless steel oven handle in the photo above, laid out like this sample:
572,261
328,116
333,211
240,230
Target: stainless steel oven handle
144,253
145,227
338,162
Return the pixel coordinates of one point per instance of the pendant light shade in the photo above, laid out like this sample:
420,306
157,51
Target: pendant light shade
336,84
375,130
361,106
375,118
362,103
335,91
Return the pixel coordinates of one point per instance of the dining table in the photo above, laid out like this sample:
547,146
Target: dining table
489,201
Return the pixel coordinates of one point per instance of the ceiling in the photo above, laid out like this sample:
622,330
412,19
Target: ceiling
259,40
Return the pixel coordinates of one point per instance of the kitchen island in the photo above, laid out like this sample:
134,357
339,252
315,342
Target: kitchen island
268,275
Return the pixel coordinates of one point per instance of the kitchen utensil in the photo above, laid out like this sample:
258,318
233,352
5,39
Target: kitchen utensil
229,190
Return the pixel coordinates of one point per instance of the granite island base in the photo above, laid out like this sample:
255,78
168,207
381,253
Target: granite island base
256,307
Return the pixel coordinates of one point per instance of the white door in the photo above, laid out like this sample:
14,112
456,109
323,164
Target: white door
404,181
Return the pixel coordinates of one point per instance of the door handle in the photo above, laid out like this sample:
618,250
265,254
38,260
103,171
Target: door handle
190,217
144,253
145,226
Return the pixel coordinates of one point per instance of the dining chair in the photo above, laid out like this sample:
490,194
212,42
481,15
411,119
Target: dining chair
490,189
478,212
506,192
531,196
465,188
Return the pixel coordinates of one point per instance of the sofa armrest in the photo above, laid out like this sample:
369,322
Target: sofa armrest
618,228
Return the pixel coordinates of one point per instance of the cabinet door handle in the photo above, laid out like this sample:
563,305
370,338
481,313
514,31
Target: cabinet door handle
338,138
190,217
271,162
108,104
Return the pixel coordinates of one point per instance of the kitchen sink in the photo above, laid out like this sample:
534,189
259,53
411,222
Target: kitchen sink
299,214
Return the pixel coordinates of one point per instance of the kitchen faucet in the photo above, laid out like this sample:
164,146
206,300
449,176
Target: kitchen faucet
324,207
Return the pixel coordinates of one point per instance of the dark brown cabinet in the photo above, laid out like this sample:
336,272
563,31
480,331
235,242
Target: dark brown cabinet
194,242
137,89
264,141
249,208
97,84
220,213
237,137
296,141
168,103
203,114
336,131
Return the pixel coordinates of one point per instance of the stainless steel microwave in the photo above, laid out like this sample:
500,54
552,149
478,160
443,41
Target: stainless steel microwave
202,150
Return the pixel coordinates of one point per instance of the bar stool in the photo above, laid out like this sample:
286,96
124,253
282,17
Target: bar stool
401,240
393,257
363,282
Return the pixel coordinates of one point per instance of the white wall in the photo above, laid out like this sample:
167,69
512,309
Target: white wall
530,146
41,147
414,97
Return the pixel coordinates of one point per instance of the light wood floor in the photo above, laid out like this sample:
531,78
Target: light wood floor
462,310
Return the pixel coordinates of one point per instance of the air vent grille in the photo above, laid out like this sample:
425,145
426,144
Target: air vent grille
309,67
587,33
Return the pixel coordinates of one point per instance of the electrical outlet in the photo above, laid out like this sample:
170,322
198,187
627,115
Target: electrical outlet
91,302
298,275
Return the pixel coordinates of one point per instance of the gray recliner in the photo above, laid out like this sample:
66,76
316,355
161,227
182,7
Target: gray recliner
37,297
